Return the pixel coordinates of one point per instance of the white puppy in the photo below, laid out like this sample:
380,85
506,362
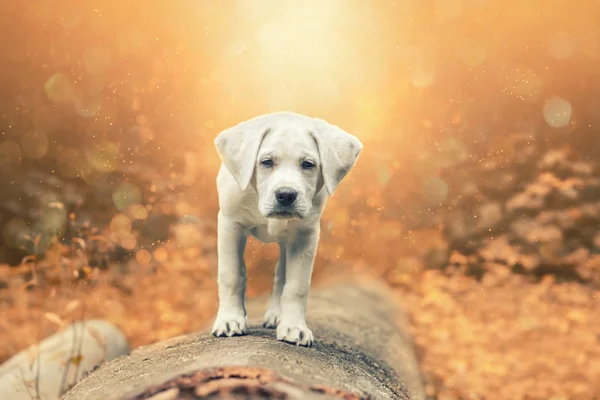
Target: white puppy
277,170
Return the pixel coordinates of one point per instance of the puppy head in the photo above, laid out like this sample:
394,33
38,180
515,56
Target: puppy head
287,158
287,171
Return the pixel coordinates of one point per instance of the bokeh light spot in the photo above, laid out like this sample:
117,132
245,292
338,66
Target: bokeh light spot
138,211
451,152
472,52
384,177
10,156
160,254
143,256
369,112
52,220
557,112
34,144
71,162
435,191
16,233
127,194
87,107
560,45
188,235
127,241
59,88
103,157
96,60
120,224
422,75
524,83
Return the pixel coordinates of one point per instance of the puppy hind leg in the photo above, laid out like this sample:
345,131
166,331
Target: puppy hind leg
231,242
271,319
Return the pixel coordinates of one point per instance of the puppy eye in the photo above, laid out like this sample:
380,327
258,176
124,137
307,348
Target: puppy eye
267,163
308,165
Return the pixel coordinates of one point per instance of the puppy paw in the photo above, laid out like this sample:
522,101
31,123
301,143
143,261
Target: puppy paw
227,327
271,319
298,335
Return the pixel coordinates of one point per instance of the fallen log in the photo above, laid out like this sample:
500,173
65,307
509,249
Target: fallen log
44,370
362,351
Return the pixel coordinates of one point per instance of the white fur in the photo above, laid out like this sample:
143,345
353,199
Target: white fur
248,206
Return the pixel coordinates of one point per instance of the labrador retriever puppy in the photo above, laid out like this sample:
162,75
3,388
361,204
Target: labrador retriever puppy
276,173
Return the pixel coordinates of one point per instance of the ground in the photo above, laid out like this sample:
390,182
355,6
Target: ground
502,337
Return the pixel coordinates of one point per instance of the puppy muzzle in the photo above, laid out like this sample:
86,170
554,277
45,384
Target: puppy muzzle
285,204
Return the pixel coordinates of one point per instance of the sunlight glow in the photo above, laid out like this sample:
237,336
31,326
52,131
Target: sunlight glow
295,55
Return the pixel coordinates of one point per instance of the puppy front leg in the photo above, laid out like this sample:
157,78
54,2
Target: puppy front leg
273,313
231,242
300,257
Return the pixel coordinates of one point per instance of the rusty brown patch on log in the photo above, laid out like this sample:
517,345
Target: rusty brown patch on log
237,383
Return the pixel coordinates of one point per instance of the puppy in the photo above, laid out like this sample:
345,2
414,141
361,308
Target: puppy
276,173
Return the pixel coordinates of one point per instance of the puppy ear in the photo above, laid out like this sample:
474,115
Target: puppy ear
238,148
338,151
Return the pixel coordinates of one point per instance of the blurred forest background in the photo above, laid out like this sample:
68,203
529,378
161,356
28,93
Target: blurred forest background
477,196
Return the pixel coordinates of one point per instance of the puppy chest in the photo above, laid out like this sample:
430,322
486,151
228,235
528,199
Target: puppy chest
274,230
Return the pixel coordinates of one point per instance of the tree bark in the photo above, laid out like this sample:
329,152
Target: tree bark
362,350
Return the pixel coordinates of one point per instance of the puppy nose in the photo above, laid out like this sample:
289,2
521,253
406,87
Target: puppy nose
286,196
